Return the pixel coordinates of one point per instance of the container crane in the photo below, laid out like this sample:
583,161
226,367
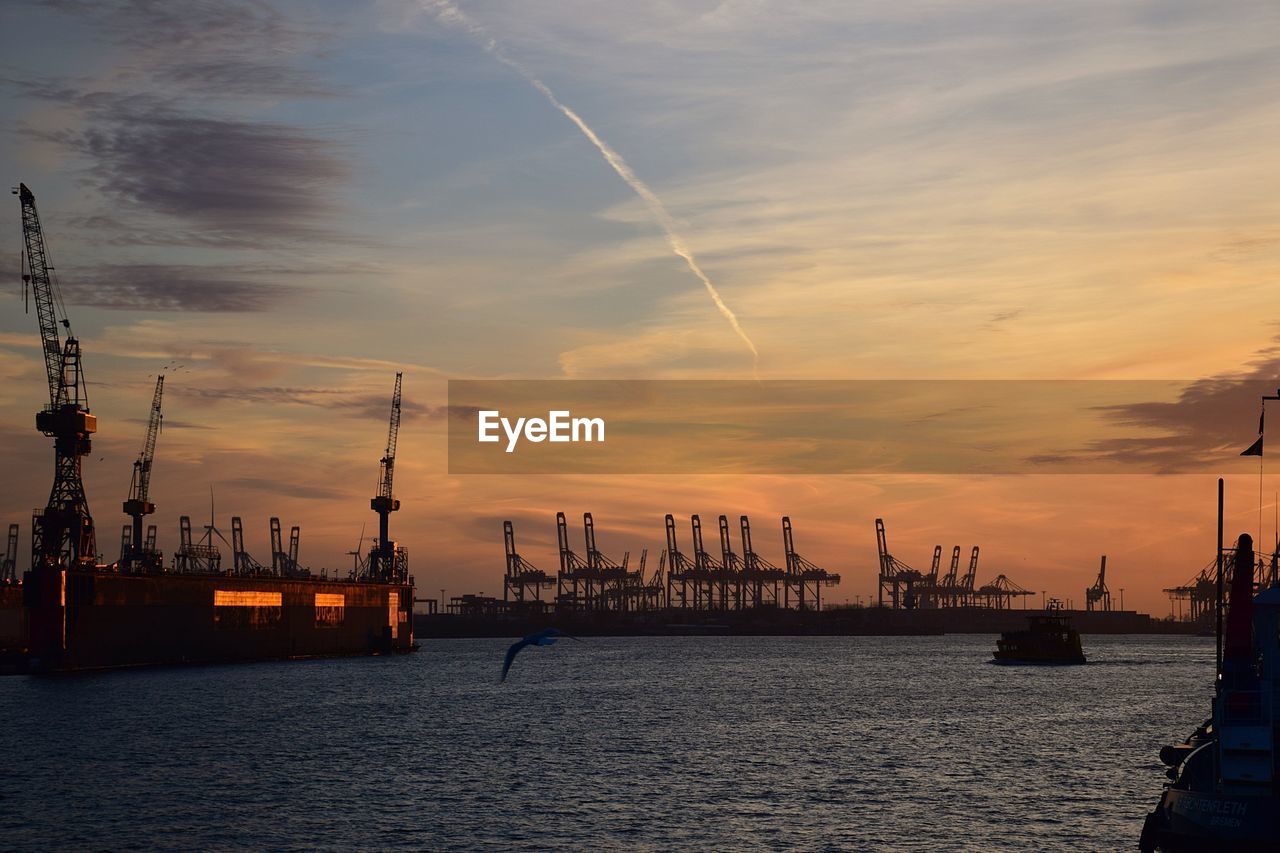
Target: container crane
383,565
949,585
802,574
1098,596
967,590
522,577
138,503
62,535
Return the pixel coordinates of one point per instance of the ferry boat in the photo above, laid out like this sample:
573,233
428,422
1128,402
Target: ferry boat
1223,791
1048,640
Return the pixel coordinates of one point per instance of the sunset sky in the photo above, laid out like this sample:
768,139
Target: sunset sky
296,200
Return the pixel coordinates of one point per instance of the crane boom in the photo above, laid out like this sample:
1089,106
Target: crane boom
140,486
37,278
393,432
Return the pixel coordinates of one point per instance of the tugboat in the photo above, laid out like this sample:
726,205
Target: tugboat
1049,640
1223,793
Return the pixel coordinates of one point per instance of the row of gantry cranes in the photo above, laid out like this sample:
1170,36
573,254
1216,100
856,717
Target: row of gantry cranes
696,579
63,535
705,581
903,588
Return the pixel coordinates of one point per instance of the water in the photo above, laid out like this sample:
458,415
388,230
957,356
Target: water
659,743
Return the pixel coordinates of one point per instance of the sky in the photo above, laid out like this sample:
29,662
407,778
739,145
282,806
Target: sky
293,201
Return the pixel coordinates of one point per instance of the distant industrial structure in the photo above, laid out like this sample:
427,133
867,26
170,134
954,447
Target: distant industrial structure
697,588
700,580
695,581
906,588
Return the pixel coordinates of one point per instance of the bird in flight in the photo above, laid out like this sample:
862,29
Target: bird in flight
542,638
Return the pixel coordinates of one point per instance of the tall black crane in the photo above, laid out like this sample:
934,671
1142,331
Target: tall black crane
384,504
62,534
138,504
9,568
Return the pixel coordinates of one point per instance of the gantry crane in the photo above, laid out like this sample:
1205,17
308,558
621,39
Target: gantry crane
759,575
615,581
62,535
382,566
803,575
900,581
138,503
950,587
284,563
679,568
1098,595
709,573
523,578
731,564
966,586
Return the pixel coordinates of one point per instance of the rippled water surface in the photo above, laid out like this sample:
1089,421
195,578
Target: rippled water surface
661,743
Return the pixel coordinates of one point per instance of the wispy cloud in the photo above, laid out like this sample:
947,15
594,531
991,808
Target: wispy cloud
158,287
450,13
232,48
240,181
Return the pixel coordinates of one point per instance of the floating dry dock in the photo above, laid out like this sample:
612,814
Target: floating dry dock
96,619
70,611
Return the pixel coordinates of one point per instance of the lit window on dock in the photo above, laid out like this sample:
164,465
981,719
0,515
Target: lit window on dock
245,598
236,609
393,614
330,609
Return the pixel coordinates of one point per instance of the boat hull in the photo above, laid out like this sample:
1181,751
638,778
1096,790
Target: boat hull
998,661
1200,820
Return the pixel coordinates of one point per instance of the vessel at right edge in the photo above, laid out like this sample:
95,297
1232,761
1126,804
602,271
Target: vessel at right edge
1222,792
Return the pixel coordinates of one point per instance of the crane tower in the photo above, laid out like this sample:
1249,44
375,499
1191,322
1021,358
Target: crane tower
382,567
62,535
138,503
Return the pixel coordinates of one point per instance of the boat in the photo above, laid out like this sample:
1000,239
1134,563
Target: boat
1048,640
1222,793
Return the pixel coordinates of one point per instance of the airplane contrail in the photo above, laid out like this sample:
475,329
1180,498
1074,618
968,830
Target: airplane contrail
451,14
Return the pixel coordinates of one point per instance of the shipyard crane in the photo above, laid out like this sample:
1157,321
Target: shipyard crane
138,503
382,567
1098,595
9,568
62,535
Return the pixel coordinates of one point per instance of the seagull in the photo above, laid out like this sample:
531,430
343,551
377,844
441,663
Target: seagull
542,638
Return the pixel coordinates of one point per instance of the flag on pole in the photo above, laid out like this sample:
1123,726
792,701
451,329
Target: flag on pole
1255,449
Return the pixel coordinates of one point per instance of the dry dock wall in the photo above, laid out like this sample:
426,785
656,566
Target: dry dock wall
111,619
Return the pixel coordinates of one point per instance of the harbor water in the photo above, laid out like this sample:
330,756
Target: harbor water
894,743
